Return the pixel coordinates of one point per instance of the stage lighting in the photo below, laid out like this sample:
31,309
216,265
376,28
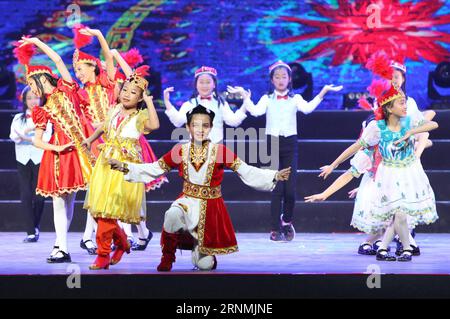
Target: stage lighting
302,81
439,86
351,99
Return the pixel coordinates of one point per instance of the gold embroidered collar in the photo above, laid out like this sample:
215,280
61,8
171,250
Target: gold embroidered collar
198,155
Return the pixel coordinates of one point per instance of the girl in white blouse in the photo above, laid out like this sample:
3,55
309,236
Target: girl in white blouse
28,158
206,94
281,106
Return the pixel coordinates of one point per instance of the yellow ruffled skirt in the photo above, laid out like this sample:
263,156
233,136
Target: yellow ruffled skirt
109,195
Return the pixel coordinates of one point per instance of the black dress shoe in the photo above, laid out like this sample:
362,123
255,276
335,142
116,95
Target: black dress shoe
385,257
415,250
277,236
91,251
406,255
65,258
31,239
137,246
366,249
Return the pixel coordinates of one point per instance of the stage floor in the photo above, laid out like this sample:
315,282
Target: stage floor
307,254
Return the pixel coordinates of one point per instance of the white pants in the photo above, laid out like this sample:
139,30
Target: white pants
174,222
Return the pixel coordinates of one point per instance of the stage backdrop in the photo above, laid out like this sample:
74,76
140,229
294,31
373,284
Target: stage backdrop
241,38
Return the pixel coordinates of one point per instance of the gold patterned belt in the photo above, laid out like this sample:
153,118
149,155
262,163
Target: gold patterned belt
202,192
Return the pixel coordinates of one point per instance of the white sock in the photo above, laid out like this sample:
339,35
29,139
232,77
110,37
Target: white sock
142,230
90,227
61,219
127,229
401,228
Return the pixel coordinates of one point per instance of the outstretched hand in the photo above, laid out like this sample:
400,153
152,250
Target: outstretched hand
333,88
326,170
353,193
283,175
239,90
26,40
90,32
62,148
116,165
404,138
147,98
315,198
167,92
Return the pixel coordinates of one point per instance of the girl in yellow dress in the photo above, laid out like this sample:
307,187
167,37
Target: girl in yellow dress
110,198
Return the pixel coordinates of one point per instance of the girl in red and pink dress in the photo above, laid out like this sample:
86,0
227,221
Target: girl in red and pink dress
66,166
100,92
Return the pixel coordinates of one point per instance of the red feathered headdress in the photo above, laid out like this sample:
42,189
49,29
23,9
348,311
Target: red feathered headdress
364,104
378,87
80,40
380,64
132,57
24,53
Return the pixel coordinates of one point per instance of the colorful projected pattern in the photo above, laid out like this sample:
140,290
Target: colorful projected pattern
331,39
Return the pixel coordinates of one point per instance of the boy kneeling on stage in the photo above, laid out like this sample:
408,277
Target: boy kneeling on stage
198,219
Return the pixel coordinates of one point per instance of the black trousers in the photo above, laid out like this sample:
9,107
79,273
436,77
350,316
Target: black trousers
32,204
284,194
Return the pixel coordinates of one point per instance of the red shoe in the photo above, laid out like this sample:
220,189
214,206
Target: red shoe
101,262
169,247
118,253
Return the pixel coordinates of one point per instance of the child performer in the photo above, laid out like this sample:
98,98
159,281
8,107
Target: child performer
395,72
200,209
66,165
110,198
404,197
28,159
127,60
98,96
281,106
206,94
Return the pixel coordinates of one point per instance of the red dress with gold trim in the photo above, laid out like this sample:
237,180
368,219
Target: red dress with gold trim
205,213
68,171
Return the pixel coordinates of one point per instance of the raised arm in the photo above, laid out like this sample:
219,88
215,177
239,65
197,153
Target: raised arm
307,107
153,121
425,127
177,117
255,110
65,74
109,60
127,70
